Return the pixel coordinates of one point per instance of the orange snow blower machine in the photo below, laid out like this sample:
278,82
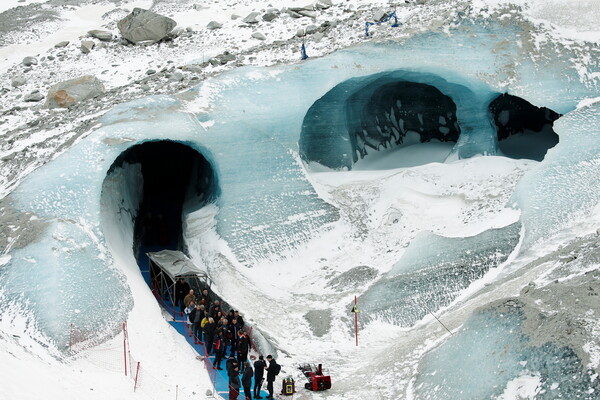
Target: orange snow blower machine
316,380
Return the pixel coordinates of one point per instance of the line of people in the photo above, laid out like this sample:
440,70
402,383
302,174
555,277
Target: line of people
219,332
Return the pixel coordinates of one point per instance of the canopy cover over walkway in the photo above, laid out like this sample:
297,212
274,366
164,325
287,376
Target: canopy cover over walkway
167,266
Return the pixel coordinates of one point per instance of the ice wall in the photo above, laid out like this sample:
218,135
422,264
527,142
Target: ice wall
490,351
432,272
561,188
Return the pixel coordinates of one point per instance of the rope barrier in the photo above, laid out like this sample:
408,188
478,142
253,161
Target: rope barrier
386,19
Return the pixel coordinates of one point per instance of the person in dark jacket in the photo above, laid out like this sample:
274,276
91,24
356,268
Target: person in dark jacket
182,288
233,372
209,334
243,346
259,372
272,371
205,298
240,320
219,349
247,380
234,328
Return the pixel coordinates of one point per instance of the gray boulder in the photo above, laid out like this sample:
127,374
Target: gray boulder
143,25
18,80
214,25
62,44
105,36
34,96
259,36
252,18
269,16
67,93
29,61
87,46
323,4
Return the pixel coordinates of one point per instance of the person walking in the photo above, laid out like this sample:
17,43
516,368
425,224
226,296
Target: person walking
259,372
219,349
247,380
233,372
272,371
209,334
243,346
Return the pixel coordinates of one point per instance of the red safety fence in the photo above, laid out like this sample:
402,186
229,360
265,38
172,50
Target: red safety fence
118,359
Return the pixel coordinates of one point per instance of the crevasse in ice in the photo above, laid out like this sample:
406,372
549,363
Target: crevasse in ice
255,126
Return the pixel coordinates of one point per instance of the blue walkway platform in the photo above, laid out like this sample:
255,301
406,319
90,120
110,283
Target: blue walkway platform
219,377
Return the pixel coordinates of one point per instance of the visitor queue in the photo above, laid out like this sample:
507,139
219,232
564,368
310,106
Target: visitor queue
222,332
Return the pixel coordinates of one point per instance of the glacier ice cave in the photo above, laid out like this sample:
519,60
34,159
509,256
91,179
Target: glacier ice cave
238,155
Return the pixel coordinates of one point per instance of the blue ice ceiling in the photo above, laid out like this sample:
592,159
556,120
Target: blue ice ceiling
254,126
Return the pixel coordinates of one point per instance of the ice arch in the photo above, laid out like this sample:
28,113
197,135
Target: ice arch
393,109
169,179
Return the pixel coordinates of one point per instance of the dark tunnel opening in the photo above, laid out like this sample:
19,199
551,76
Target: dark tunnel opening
401,114
175,180
524,130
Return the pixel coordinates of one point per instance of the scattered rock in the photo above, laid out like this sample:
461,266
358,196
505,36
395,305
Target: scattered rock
323,4
105,36
307,13
151,72
310,29
176,77
379,15
87,46
29,61
259,36
143,25
61,45
175,33
214,25
34,96
270,16
293,14
252,18
235,16
67,93
18,80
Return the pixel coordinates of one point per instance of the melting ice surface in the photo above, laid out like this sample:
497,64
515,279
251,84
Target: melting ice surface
255,126
489,351
433,271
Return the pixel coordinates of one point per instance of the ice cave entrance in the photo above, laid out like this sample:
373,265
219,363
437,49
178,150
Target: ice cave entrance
165,180
406,119
524,130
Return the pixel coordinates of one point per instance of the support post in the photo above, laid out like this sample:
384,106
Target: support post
125,346
355,310
137,372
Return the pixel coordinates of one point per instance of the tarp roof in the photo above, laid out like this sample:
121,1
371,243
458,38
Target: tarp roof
176,264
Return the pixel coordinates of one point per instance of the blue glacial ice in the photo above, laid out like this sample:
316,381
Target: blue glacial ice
256,126
489,351
425,280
